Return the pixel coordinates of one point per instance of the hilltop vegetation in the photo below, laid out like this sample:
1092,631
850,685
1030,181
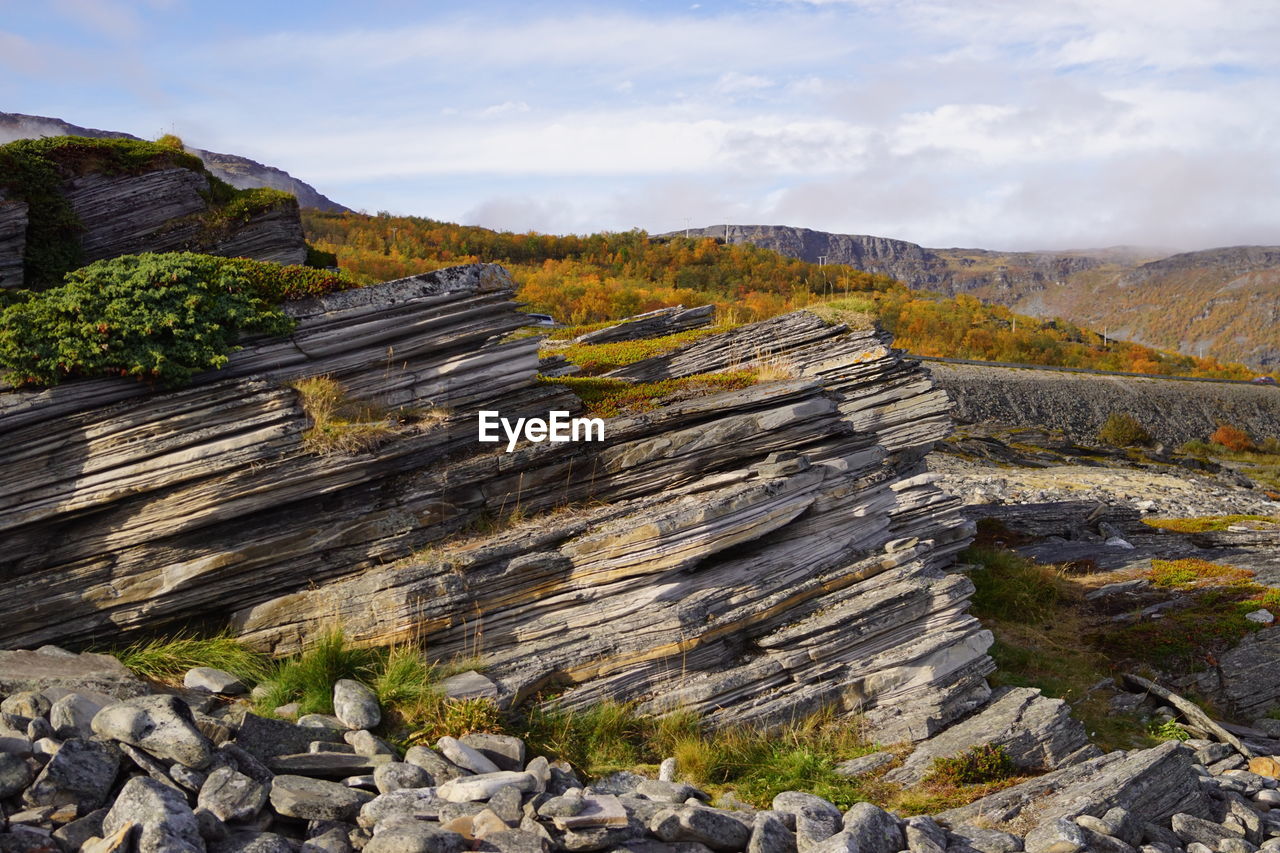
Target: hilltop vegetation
583,280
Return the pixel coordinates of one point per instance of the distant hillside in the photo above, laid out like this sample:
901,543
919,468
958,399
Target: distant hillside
587,279
240,172
1222,302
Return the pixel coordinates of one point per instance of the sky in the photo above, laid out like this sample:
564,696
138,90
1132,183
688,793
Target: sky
1003,124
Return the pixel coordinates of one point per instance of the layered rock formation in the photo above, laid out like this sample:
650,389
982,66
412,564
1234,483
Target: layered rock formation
240,172
751,555
13,240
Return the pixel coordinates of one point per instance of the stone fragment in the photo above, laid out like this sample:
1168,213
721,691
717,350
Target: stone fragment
1265,765
365,742
80,772
329,765
324,722
416,837
667,770
669,792
73,835
513,841
715,829
265,738
231,795
923,835
987,840
115,842
252,842
161,725
865,764
314,799
506,803
15,775
44,669
505,751
770,835
412,803
816,819
469,685
355,705
465,756
333,840
597,810
72,715
214,681
27,704
437,766
1191,828
166,823
873,829
484,785
395,775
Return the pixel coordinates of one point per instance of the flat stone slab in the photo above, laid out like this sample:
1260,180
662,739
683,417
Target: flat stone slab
38,671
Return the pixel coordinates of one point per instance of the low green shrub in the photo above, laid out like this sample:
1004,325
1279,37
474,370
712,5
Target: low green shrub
158,317
1122,430
977,765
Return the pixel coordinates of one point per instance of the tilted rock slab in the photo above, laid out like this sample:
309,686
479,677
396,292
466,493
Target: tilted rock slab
751,555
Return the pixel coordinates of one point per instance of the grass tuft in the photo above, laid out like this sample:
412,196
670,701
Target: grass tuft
308,678
338,424
169,659
1194,573
1012,587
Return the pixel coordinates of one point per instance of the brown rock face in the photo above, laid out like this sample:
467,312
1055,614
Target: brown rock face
752,554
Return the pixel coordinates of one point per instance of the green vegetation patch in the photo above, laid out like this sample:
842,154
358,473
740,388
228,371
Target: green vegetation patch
608,398
594,359
983,763
1190,638
1205,523
1192,573
158,317
168,659
1011,587
1122,430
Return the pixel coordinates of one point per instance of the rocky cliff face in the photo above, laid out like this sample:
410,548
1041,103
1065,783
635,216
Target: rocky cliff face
752,554
165,209
240,172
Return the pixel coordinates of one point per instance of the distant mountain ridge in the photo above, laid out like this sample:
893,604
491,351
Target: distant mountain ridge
1223,302
240,172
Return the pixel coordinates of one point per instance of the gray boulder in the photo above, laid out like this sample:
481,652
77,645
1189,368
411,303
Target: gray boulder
409,803
252,842
48,668
72,715
161,725
507,752
80,772
465,756
816,819
987,840
416,838
770,835
1191,828
314,799
865,764
27,704
437,766
355,705
715,829
231,795
874,829
166,823
395,775
15,775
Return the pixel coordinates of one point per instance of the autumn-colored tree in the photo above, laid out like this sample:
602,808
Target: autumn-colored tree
1232,438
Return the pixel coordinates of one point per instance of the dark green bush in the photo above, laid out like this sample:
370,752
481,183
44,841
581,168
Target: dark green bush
319,258
158,317
1121,430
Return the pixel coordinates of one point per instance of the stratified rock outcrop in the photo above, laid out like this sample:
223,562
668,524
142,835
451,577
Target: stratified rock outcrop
13,240
751,555
151,199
